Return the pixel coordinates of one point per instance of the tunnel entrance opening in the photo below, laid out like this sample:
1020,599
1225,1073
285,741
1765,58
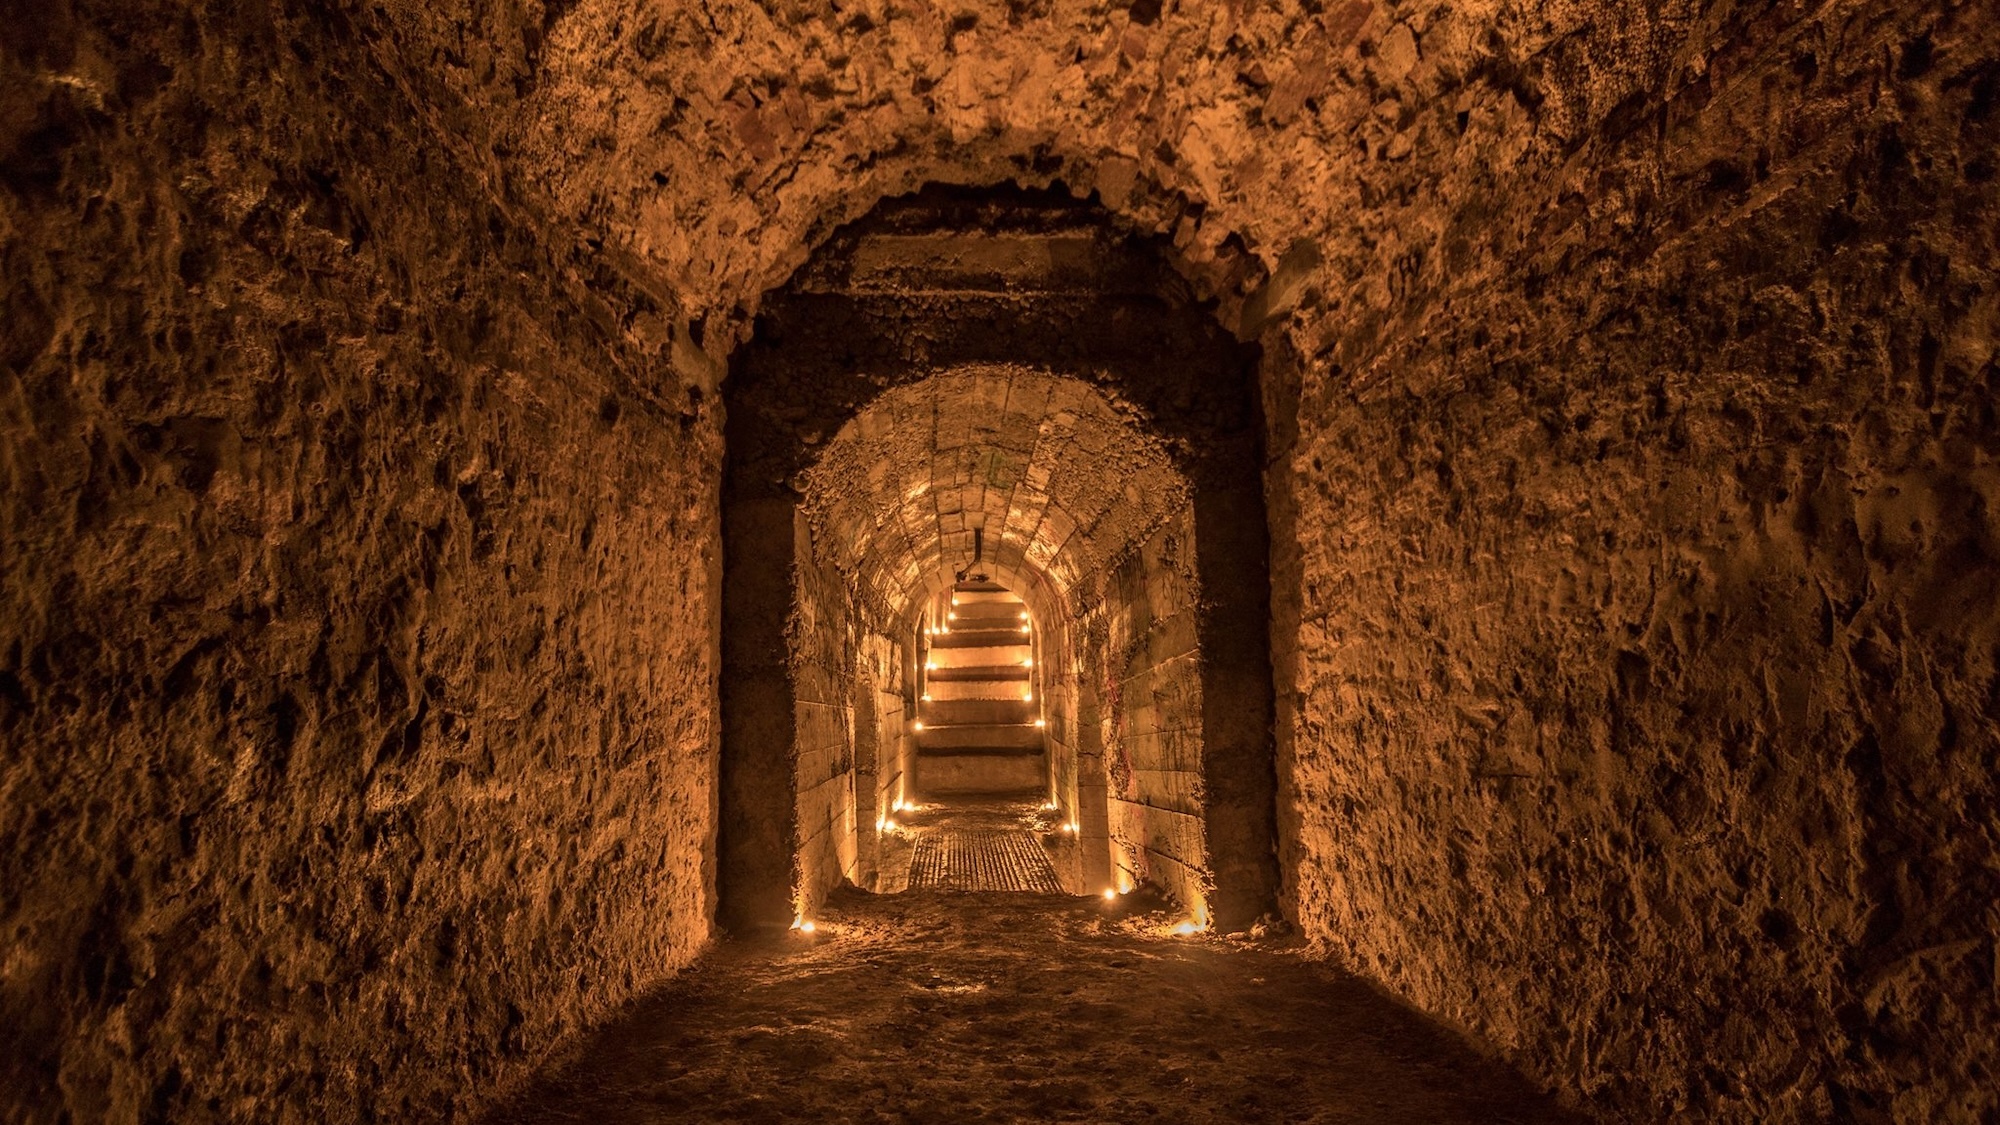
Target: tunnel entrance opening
994,404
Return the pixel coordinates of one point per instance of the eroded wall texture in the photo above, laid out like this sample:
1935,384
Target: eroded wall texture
356,672
1632,531
1646,657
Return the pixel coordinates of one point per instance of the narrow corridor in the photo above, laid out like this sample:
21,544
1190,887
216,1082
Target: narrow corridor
999,561
942,1006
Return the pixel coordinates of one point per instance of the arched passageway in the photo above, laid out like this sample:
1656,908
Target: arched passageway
1001,382
1632,457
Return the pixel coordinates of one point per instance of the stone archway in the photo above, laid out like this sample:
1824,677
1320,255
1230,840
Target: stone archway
950,283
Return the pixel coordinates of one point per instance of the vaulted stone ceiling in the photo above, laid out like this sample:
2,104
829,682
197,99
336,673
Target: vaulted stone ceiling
1059,479
716,142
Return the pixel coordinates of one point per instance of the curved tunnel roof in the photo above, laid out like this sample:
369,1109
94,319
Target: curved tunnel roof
1057,475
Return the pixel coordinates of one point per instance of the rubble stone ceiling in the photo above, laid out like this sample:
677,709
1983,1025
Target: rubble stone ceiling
717,142
1057,475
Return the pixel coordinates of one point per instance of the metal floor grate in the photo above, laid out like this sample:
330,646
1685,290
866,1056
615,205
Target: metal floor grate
982,859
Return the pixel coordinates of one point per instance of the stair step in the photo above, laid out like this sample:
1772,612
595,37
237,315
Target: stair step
975,638
985,773
987,612
980,656
980,673
1006,709
949,689
980,737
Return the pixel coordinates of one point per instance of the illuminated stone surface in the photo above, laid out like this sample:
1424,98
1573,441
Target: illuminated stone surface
1630,370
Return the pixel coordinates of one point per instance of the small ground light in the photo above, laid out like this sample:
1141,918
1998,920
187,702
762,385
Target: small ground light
927,697
803,925
1184,929
917,726
1109,894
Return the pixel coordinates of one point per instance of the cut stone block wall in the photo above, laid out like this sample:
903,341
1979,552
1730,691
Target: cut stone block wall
824,646
1148,668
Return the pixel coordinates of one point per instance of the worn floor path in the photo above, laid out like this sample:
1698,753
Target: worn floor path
954,1007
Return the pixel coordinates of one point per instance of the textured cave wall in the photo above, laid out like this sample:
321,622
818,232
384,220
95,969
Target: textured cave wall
1647,694
356,670
1730,231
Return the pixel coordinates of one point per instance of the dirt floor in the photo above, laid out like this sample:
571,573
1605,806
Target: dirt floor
952,1006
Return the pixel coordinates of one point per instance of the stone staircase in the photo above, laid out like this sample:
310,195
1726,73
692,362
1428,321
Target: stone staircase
979,727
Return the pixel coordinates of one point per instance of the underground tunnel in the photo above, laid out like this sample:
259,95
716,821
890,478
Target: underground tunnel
934,384
1377,560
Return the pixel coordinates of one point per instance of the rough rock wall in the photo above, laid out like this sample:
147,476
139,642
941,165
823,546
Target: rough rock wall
356,672
1646,673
